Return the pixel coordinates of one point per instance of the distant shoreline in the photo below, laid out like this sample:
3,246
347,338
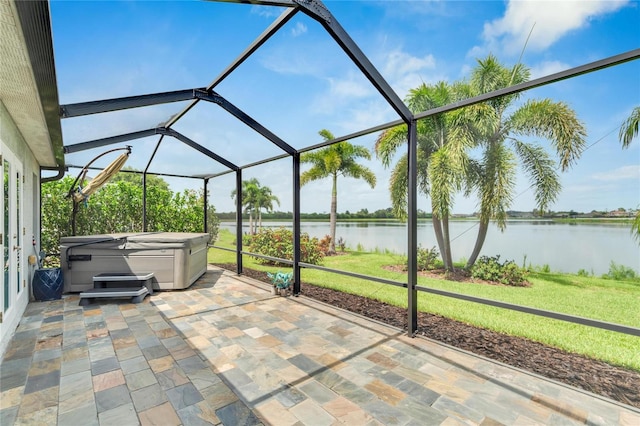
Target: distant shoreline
603,220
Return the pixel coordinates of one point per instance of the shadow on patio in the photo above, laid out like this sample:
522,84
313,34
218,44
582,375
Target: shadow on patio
226,351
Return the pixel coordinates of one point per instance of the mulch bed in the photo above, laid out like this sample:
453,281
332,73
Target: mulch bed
576,370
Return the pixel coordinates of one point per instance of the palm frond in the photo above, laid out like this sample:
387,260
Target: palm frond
445,177
388,143
629,129
540,168
314,173
554,121
358,171
398,184
497,186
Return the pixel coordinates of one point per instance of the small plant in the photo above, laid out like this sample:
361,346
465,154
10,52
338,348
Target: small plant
490,269
546,268
619,272
281,280
359,247
427,258
342,244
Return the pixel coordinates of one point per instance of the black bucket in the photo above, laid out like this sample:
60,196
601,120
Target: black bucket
47,284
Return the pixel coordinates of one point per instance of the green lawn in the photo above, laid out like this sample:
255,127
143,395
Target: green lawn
606,300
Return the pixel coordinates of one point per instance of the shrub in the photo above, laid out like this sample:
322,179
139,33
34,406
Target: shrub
279,243
324,244
490,269
427,258
619,272
342,244
583,273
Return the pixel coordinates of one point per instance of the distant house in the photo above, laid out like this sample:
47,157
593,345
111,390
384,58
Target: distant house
619,213
30,141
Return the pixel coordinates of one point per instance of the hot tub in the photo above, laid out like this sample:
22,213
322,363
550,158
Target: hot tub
177,259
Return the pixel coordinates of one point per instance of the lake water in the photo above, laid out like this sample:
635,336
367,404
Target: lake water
564,247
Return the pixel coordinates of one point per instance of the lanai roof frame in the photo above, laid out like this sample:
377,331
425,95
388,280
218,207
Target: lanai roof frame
316,10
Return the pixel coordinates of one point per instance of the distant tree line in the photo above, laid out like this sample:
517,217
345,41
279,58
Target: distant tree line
361,214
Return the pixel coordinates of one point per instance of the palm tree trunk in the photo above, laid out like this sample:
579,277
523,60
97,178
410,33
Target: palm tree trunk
482,234
437,229
333,215
250,222
260,220
447,244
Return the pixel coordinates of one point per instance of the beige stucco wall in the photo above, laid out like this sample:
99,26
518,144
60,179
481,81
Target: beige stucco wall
12,140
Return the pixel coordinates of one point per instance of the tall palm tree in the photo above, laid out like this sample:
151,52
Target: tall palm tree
332,161
250,195
501,131
265,200
442,158
496,128
628,132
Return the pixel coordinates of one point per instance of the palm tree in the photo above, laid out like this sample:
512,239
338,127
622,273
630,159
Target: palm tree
442,158
332,161
265,200
629,131
250,195
496,128
500,131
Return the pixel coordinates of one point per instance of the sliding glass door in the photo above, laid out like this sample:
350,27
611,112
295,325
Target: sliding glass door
13,280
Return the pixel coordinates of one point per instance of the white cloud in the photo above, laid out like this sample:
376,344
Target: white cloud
547,67
621,173
299,29
349,88
550,20
404,71
266,11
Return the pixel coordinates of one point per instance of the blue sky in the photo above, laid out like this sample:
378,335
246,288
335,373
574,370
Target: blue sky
300,81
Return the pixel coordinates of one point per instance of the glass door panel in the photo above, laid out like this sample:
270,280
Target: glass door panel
18,231
5,236
12,232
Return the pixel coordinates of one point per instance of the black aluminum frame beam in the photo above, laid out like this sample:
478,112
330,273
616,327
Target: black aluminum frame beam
621,58
217,99
144,185
171,175
412,228
262,38
316,10
116,104
146,133
97,143
185,140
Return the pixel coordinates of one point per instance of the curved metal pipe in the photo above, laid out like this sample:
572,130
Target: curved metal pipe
60,169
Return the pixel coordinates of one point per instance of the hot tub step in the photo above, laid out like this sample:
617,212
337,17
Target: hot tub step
137,294
123,279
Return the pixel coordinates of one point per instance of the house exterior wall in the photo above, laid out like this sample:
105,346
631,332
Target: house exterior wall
13,145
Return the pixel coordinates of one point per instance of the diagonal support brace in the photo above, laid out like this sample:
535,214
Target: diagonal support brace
316,10
185,140
214,97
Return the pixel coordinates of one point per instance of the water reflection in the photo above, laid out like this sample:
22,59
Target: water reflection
566,247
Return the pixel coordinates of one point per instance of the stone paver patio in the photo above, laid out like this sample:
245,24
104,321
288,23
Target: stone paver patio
227,352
